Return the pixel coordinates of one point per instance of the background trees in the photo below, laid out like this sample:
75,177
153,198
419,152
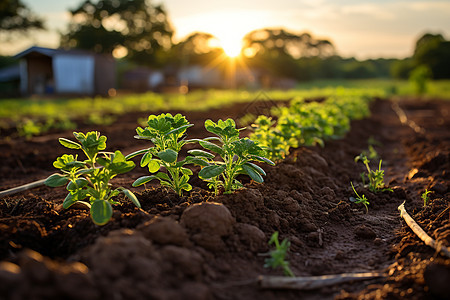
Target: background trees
136,29
17,17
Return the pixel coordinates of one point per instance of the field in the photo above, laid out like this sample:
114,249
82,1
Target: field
203,246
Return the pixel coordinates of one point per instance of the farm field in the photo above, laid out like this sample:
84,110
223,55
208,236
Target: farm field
202,246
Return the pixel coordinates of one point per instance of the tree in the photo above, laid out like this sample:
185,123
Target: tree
16,17
282,42
285,53
108,25
433,50
197,48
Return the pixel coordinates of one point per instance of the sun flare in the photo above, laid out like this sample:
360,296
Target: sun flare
231,47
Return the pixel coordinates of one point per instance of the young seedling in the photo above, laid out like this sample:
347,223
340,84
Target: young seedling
278,255
375,177
360,199
167,133
89,179
237,156
425,197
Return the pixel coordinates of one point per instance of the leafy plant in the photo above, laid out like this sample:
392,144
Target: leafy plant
270,138
360,199
167,133
89,179
425,197
375,177
237,157
278,256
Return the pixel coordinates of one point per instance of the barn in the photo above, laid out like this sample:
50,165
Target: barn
45,71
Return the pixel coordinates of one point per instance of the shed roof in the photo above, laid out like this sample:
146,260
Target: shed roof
51,52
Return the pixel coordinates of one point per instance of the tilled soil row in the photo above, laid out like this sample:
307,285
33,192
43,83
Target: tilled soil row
204,247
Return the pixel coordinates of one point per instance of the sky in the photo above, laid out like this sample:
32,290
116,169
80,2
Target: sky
357,28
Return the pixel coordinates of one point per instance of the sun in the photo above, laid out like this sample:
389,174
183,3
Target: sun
231,46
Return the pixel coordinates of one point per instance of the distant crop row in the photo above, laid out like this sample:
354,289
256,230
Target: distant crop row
37,116
309,123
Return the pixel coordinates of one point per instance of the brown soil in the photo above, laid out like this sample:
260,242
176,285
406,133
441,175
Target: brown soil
203,247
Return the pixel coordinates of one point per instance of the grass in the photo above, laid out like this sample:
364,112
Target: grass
36,116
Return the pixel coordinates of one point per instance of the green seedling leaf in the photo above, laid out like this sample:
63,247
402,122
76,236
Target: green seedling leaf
69,144
212,147
256,168
162,176
119,164
144,179
201,153
250,171
168,156
153,166
130,196
179,130
101,212
67,162
56,180
78,184
186,171
196,161
136,153
211,171
262,159
68,201
146,158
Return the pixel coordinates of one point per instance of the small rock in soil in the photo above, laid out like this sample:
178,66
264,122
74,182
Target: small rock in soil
164,231
251,236
365,232
208,217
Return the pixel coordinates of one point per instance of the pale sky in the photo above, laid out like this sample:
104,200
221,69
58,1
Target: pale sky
360,28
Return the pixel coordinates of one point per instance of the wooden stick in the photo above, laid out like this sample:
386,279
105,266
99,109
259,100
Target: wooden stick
422,234
312,282
22,188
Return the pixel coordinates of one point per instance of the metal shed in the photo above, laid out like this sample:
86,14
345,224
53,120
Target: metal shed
58,71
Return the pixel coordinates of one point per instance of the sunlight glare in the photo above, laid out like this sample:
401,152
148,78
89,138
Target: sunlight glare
232,47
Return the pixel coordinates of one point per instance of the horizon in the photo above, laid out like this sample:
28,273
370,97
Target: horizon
392,26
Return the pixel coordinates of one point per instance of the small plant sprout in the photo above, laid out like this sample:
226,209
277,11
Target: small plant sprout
89,179
375,177
278,255
167,133
237,156
360,199
425,197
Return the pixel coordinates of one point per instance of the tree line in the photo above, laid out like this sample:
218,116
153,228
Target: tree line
142,33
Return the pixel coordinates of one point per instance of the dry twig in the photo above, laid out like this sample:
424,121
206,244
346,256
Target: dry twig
22,188
422,234
312,282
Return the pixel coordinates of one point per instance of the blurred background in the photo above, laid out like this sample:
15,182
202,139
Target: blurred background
100,47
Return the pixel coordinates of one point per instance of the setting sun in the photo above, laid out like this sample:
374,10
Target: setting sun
231,47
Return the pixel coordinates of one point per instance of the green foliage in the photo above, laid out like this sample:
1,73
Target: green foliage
167,133
271,138
425,197
433,51
308,123
375,177
237,157
360,199
419,78
89,179
278,255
